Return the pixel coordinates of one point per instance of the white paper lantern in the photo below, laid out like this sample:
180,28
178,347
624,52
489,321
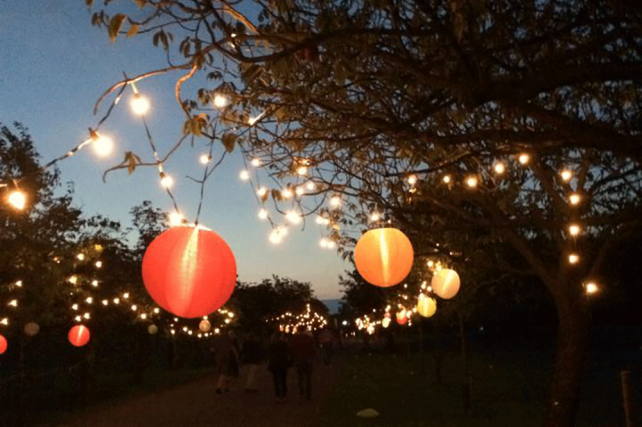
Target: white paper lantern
152,329
445,283
205,325
31,329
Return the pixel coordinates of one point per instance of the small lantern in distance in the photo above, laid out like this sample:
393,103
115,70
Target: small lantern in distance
78,335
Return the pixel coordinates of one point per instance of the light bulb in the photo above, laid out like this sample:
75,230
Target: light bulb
324,242
157,310
335,202
471,181
591,288
17,199
80,257
446,179
102,145
322,220
287,193
332,244
575,198
299,191
573,258
524,158
105,302
73,280
256,162
143,316
293,217
412,179
302,170
374,217
574,229
89,300
13,303
566,175
175,219
244,175
500,168
221,101
134,307
166,180
139,104
94,283
204,159
263,214
99,264
310,186
275,237
262,191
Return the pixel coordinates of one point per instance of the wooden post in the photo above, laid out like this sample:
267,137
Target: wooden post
627,398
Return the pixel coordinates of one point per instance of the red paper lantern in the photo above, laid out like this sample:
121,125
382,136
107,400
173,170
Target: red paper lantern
402,317
78,335
384,256
189,271
3,344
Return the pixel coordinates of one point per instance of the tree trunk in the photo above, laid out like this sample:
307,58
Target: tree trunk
572,344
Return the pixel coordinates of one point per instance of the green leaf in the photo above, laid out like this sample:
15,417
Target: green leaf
114,26
133,30
228,140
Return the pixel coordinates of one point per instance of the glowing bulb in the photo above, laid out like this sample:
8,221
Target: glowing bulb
244,175
89,300
105,302
116,300
276,237
335,202
575,198
80,257
446,179
256,162
78,318
99,264
322,220
573,258
302,170
332,244
103,145
175,219
4,321
262,191
143,316
140,105
86,316
157,310
13,303
574,229
412,179
374,217
324,242
287,193
524,158
221,101
73,280
74,307
591,288
310,186
253,120
566,175
263,214
204,159
94,283
299,191
293,217
471,181
134,307
126,295
499,168
166,180
17,199
19,283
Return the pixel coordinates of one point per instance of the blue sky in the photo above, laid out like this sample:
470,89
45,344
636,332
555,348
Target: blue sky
53,67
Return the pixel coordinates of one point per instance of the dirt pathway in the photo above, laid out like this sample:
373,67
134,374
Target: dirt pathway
197,405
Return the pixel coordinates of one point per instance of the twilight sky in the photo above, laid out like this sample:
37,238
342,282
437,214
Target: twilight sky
53,67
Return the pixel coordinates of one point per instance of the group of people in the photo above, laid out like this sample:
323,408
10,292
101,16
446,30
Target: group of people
283,353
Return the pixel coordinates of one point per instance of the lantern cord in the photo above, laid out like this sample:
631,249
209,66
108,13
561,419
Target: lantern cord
206,174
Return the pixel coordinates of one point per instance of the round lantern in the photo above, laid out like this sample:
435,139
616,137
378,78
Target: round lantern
426,306
78,335
3,344
384,256
31,329
189,271
402,318
152,329
205,325
385,322
445,283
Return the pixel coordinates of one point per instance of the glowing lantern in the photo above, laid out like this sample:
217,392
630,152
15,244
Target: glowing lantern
426,306
78,335
152,329
402,318
384,256
386,322
3,344
445,283
31,329
205,325
189,271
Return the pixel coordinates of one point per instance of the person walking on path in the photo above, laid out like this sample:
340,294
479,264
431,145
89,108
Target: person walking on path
326,339
252,356
280,361
226,361
304,351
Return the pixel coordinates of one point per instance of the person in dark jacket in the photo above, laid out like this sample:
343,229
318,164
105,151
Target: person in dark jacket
280,361
304,351
252,357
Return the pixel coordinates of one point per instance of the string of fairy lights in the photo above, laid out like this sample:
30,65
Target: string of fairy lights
290,323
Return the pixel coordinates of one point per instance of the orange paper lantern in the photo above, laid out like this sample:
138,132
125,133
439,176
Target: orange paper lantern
384,256
445,283
189,271
3,344
78,335
402,318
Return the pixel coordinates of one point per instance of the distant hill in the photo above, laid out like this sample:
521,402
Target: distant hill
332,304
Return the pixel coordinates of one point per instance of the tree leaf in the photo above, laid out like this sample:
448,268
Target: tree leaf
132,160
228,140
114,26
133,30
89,2
140,3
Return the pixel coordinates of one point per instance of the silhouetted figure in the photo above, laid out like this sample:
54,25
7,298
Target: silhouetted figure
304,352
280,361
252,356
226,360
326,339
